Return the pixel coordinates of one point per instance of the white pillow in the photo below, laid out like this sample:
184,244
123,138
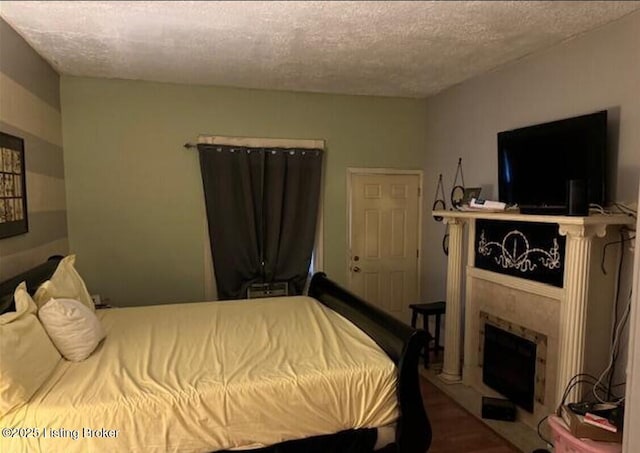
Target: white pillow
27,356
72,326
65,283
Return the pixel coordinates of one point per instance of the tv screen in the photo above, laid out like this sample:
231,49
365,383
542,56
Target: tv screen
536,162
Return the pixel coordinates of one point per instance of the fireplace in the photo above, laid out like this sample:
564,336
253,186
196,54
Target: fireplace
568,323
509,365
512,360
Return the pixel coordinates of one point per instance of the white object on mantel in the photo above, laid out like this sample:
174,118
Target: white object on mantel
574,297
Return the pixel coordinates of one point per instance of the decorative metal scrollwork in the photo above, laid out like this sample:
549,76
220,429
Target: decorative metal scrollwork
516,253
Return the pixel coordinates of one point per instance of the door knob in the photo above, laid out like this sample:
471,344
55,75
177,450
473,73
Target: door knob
356,269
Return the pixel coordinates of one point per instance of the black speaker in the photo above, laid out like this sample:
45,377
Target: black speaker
577,204
498,409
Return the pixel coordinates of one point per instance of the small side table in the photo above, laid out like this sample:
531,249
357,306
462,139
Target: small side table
436,309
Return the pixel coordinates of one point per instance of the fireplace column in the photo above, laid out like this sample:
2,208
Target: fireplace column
573,315
451,367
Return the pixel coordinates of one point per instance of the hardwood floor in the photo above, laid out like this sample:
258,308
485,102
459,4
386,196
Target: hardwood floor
455,430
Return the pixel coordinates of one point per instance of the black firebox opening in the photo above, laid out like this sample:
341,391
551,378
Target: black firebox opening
509,365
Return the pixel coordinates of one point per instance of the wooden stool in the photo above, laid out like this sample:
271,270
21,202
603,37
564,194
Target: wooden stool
434,308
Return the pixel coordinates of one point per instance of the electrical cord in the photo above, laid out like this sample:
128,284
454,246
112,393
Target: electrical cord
618,282
614,323
575,380
617,335
546,441
616,351
617,326
609,244
599,209
592,381
581,378
573,384
615,307
595,207
585,378
626,210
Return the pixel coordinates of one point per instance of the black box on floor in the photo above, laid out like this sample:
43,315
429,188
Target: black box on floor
498,409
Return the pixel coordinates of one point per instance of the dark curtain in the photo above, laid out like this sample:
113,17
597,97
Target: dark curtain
262,206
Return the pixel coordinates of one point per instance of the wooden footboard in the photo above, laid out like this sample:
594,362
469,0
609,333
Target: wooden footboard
400,342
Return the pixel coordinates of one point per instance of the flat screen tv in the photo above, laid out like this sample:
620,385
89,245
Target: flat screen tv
536,162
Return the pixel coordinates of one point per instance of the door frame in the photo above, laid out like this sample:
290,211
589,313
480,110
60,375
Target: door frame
364,171
631,440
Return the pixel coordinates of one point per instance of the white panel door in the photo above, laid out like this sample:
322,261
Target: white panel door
384,229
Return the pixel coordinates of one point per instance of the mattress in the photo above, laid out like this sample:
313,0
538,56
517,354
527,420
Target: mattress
202,377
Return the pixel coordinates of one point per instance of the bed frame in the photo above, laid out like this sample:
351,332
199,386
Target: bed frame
400,342
33,277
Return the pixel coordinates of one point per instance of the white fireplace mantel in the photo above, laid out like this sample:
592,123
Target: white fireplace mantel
573,297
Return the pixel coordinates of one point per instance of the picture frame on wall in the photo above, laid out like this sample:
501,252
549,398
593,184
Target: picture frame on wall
13,188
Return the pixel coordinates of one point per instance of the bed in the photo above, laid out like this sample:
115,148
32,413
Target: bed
321,372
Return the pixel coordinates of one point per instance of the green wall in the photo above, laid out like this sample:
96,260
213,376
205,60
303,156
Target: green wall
134,197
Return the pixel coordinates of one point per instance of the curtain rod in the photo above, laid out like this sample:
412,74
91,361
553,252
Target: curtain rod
189,145
255,142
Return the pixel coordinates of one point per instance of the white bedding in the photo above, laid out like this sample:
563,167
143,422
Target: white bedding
208,376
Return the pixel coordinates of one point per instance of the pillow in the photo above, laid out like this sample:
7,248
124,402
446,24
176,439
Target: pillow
27,356
74,329
64,283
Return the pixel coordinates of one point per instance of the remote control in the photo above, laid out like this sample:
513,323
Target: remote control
479,203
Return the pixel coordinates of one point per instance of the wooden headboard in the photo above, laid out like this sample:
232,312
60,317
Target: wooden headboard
34,278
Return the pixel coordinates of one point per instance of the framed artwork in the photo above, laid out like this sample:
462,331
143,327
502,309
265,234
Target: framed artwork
13,193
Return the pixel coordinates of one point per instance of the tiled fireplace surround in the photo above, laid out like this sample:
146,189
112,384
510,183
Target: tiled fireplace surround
575,318
521,309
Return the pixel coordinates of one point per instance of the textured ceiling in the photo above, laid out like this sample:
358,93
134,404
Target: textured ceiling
411,49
